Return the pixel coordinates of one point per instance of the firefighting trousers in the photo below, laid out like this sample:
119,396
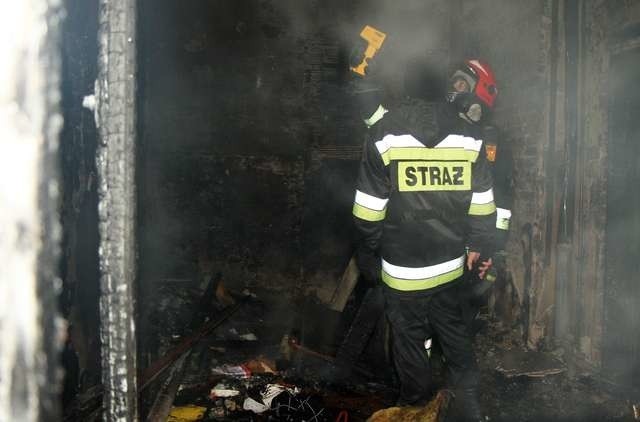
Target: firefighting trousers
471,300
415,318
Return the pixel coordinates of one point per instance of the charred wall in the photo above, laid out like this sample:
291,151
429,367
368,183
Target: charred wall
234,97
515,38
535,51
250,140
553,63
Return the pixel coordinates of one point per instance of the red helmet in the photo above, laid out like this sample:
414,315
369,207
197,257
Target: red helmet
480,78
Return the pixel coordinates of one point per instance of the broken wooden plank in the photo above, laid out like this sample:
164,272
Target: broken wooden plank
163,363
89,403
164,400
345,287
203,308
518,363
291,344
362,327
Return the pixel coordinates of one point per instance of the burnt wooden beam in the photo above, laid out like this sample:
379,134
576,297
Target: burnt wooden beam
185,345
87,403
164,400
116,122
205,303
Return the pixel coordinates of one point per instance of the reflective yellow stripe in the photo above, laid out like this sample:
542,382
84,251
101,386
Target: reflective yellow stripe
411,153
376,116
386,157
482,209
502,218
421,153
502,223
368,214
423,284
482,197
370,201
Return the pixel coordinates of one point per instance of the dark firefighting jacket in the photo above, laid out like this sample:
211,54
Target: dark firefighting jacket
500,160
424,192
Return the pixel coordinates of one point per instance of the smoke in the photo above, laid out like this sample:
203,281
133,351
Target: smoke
277,69
418,34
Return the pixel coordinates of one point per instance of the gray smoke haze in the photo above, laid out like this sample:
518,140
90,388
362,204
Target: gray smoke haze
236,89
523,41
416,30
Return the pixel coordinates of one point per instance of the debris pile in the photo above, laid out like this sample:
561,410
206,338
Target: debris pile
249,398
249,368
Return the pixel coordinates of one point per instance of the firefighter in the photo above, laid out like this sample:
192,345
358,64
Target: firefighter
464,79
424,193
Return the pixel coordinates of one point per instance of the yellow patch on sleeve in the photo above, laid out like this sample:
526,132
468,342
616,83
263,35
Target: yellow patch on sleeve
492,150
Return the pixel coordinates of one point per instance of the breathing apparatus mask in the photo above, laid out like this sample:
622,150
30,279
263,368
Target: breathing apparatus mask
472,90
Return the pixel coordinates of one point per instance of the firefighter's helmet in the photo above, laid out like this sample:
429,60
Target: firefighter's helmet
479,78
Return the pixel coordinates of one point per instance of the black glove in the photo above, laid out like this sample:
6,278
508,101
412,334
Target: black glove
357,52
